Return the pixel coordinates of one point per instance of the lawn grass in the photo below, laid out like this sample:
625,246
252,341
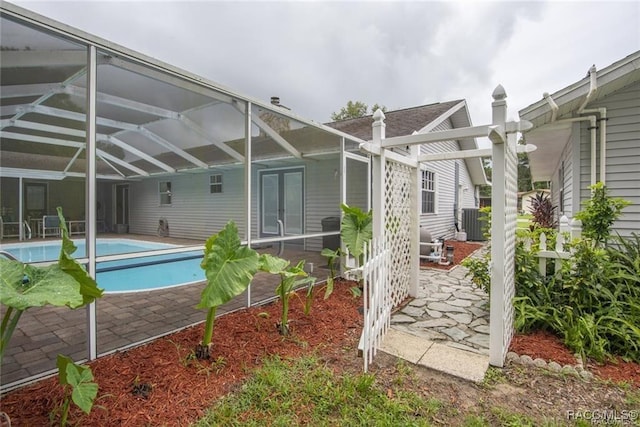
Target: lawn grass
304,392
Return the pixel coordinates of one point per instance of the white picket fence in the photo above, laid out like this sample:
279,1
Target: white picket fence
377,298
568,230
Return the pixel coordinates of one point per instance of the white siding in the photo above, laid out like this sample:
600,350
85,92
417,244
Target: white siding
195,213
442,222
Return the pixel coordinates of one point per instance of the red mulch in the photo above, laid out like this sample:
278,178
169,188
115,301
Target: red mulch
543,345
461,250
181,389
547,346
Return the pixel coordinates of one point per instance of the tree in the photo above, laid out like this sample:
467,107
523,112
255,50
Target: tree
354,110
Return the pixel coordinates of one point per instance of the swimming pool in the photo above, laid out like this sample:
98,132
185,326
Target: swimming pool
125,275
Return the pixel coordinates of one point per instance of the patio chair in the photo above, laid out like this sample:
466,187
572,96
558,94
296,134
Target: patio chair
430,250
9,228
50,226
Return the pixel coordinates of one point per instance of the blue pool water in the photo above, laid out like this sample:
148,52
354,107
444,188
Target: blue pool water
126,275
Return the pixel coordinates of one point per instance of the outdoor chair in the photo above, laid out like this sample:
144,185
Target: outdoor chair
50,226
430,250
9,228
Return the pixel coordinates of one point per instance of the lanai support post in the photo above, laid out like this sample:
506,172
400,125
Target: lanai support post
90,185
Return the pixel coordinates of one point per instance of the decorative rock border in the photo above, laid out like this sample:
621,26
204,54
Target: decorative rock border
576,370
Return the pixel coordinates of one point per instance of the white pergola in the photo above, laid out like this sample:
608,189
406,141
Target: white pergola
405,237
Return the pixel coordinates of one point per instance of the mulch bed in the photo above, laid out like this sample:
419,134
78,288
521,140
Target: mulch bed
461,250
161,384
549,347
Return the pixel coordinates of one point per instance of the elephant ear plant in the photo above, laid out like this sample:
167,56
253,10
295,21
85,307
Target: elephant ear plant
356,230
290,278
22,286
78,384
229,268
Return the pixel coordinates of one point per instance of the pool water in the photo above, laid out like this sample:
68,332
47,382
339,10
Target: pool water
126,275
50,251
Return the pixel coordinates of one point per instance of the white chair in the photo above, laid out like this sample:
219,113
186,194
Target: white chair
431,250
50,226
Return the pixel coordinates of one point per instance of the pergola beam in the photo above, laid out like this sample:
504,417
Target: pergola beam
438,136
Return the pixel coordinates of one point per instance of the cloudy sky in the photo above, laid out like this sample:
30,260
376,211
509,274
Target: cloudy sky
318,55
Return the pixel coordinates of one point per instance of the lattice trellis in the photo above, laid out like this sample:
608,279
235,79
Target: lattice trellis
397,200
511,217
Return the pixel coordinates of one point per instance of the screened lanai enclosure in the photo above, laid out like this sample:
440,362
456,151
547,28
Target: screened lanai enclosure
147,161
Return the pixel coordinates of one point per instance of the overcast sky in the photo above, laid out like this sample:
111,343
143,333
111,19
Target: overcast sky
316,56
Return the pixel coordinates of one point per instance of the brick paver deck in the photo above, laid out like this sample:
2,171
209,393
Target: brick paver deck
122,320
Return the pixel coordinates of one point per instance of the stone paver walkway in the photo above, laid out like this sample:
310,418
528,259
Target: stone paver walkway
448,309
446,327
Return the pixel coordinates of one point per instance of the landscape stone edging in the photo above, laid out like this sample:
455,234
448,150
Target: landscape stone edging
576,370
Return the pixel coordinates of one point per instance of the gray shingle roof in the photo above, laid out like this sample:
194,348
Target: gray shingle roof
399,122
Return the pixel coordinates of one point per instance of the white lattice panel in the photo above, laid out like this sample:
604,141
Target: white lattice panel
398,213
511,212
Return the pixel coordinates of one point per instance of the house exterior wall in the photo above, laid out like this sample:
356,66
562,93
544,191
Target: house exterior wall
562,184
622,155
442,223
195,213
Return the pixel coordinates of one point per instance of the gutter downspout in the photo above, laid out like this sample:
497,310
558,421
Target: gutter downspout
592,127
593,86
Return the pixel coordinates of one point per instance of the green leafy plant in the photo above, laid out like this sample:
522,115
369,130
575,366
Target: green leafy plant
479,271
543,211
290,278
78,384
356,230
599,213
331,256
229,268
22,286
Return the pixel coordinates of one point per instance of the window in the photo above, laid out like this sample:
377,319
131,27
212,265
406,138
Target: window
215,184
428,192
165,192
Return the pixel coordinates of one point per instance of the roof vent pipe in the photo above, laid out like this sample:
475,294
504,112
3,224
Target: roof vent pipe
275,100
552,105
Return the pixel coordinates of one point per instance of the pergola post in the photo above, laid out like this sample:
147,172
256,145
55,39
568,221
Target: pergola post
502,230
378,173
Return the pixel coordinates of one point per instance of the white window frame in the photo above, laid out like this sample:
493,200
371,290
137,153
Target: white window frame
423,190
166,193
216,183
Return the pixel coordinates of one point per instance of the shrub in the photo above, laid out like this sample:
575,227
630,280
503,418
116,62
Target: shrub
599,213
